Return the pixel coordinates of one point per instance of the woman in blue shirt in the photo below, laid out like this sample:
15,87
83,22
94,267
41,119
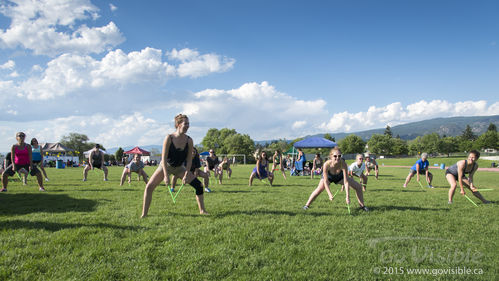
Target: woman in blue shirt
420,168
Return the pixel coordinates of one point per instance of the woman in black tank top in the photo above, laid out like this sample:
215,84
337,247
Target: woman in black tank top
457,174
335,170
176,159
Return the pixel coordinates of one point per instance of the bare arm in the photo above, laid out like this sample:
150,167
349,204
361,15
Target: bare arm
344,169
470,178
12,157
326,180
164,156
460,174
189,159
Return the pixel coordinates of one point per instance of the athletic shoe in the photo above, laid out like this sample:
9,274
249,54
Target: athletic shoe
41,189
3,190
306,207
46,179
450,202
84,179
172,190
207,189
405,185
364,208
430,186
487,202
105,179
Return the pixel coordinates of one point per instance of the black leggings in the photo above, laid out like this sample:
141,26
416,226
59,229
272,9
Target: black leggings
198,186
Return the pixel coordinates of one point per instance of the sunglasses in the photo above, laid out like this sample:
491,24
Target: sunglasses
21,136
337,156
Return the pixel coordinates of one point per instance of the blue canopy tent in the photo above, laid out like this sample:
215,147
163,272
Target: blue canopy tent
206,153
315,142
312,142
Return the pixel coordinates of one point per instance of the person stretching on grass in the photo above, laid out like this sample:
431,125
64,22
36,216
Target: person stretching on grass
213,165
335,170
95,160
21,158
371,164
176,159
261,171
195,169
457,174
420,168
225,166
357,169
278,163
316,166
136,166
37,154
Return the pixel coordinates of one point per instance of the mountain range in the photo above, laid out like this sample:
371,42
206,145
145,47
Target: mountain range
452,126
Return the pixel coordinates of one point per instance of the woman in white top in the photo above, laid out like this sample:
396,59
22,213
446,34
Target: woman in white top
357,169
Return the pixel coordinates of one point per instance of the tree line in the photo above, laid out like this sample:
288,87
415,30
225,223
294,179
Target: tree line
229,141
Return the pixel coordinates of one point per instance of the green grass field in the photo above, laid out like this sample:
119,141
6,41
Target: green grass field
92,231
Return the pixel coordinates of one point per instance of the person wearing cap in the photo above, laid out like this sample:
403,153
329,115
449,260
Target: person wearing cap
21,158
420,168
95,160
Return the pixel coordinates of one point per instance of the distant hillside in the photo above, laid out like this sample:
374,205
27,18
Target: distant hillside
452,126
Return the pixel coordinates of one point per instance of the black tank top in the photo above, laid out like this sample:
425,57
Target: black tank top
177,156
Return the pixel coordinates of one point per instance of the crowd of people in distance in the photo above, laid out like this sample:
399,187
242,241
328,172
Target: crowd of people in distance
181,160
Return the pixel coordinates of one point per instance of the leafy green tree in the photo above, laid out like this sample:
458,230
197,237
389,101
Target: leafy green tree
488,139
388,131
429,143
448,145
464,144
399,147
468,134
329,137
239,144
492,127
352,144
225,141
78,142
281,145
119,153
415,146
380,144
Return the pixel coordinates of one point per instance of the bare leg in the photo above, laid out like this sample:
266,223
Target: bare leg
39,178
44,173
200,200
123,176
85,172
453,184
358,191
104,168
156,179
408,179
315,193
144,175
5,180
253,174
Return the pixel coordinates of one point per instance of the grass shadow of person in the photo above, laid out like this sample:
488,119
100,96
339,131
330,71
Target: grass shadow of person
27,203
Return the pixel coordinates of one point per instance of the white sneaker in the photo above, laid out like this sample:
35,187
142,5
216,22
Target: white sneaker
207,189
46,179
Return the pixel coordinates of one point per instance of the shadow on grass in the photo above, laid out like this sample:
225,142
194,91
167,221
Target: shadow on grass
406,208
26,203
53,226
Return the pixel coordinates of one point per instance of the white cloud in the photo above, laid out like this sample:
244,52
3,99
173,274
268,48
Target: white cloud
112,7
10,64
55,27
257,109
195,65
395,113
71,73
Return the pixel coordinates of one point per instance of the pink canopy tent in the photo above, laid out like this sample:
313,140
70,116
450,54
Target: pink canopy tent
138,150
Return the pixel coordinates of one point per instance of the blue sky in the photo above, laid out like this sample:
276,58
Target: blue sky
119,71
